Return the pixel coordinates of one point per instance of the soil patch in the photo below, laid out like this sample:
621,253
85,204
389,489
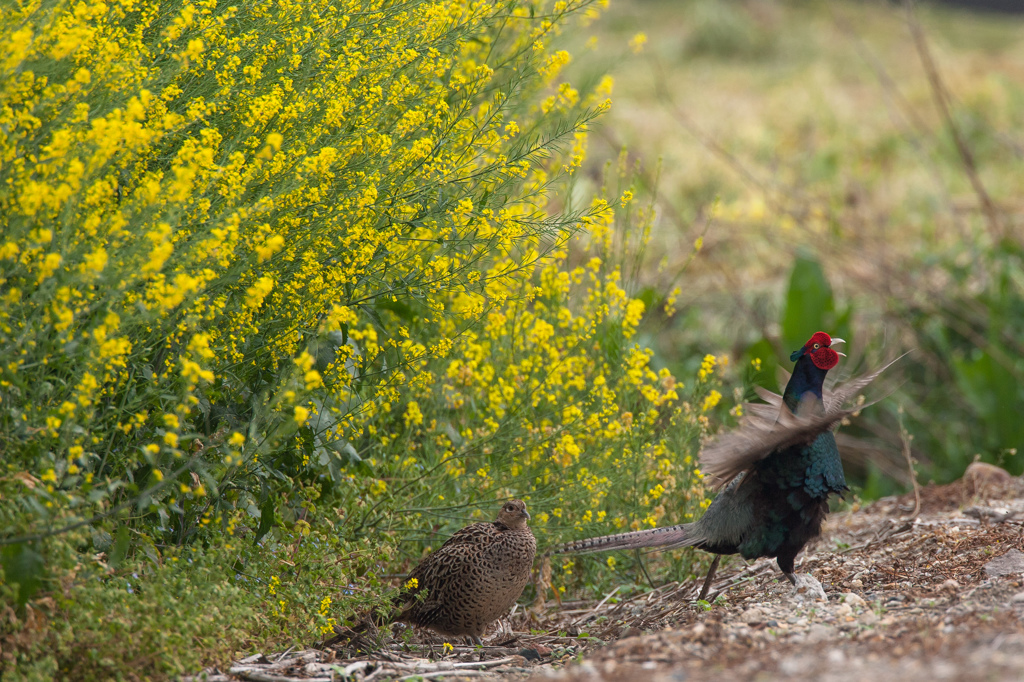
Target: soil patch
904,598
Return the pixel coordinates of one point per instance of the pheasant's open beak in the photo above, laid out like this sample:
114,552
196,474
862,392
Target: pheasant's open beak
834,342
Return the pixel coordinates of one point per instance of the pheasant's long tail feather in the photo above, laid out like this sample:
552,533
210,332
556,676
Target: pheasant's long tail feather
366,629
357,636
666,538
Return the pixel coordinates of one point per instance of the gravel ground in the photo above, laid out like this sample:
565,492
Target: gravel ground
932,595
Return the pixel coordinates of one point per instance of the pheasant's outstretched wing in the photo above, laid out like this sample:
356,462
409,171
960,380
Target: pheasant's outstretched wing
835,398
771,426
765,429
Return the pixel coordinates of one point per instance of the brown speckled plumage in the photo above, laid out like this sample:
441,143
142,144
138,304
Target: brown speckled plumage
475,577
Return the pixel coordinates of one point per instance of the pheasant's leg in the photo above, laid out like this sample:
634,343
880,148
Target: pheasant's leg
787,565
710,577
476,640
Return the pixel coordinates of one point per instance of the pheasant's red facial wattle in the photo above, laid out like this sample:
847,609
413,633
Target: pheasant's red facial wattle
824,358
818,347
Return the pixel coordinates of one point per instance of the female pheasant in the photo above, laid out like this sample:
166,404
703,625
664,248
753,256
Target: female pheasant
474,578
471,581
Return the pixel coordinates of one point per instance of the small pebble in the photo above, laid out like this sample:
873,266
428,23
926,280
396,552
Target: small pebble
854,599
753,616
819,633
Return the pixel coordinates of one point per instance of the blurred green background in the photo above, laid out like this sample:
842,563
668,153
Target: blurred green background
851,166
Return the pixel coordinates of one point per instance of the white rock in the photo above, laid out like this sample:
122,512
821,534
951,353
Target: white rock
796,666
808,588
753,616
854,599
869,617
820,633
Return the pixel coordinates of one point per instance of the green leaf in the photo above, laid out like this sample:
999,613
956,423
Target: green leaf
306,440
649,296
994,396
768,376
399,308
121,544
266,518
809,303
23,566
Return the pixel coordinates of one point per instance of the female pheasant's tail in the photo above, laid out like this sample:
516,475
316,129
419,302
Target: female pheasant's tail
670,537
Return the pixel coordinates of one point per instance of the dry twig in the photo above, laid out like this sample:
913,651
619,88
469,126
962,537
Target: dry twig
941,96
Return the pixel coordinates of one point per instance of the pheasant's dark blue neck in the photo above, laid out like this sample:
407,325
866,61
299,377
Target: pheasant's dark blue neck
807,378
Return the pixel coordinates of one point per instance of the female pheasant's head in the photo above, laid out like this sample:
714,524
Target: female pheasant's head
819,349
513,514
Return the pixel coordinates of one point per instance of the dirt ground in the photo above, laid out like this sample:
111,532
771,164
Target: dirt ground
912,591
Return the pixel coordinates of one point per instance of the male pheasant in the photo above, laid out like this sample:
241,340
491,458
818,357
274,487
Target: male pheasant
776,473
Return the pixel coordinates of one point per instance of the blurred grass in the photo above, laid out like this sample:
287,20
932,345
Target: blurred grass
808,132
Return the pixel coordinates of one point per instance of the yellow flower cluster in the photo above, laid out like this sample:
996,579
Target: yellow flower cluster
710,400
295,206
707,367
318,236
